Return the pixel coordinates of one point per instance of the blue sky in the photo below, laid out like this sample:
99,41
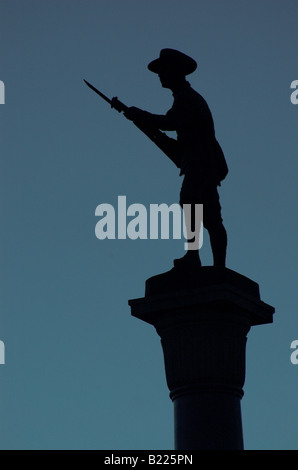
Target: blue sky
80,372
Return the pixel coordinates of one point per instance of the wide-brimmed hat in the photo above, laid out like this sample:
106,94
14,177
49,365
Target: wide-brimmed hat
172,60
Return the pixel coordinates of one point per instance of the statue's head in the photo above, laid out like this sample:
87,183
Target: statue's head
173,62
172,66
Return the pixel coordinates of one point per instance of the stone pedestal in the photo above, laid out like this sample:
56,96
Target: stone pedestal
203,318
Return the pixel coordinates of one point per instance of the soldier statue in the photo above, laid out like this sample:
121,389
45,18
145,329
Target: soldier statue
201,160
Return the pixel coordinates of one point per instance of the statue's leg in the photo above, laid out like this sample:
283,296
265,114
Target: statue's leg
214,225
187,198
192,219
218,241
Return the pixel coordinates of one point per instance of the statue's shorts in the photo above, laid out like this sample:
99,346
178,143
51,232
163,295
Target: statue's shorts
196,191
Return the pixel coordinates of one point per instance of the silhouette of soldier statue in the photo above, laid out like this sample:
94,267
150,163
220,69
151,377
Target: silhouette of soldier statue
200,157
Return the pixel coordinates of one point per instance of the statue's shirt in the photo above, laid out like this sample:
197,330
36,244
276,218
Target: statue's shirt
191,118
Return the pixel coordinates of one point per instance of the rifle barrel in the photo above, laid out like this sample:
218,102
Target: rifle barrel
165,143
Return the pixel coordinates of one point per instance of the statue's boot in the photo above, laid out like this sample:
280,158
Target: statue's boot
218,241
190,260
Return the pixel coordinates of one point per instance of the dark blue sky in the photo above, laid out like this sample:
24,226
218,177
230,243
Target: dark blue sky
80,372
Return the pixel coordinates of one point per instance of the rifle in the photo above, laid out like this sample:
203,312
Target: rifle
165,143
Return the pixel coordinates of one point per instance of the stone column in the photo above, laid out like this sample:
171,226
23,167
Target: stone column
203,318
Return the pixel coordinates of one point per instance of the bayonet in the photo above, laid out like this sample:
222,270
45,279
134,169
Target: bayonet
114,102
168,145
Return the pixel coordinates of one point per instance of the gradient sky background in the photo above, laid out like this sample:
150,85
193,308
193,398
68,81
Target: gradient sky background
80,372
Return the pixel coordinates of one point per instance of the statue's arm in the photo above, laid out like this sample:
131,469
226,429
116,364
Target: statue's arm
166,122
151,125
